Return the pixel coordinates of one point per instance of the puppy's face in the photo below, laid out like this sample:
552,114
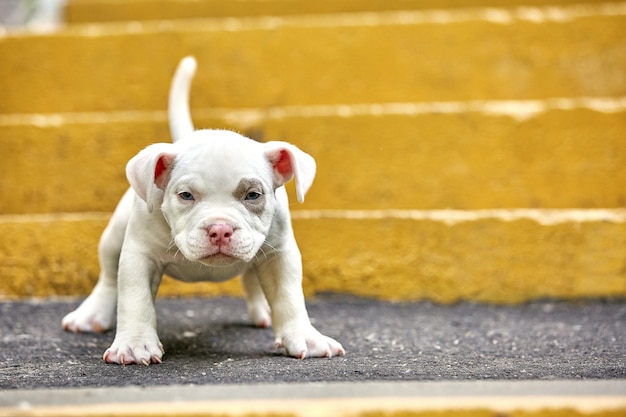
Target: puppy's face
219,201
216,190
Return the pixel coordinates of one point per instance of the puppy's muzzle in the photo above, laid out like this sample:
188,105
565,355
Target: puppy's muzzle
223,243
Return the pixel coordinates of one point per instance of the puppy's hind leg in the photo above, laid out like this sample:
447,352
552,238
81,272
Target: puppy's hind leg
97,312
258,308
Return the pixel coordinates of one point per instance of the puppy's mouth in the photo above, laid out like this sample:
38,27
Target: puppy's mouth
219,259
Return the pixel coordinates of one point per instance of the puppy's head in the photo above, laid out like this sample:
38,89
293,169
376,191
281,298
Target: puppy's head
216,189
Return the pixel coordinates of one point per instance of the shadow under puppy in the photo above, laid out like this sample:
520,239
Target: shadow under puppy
208,207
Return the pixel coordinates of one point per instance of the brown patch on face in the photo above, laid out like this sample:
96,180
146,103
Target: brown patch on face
251,193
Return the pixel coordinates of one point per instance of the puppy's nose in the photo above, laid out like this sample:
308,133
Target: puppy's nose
220,233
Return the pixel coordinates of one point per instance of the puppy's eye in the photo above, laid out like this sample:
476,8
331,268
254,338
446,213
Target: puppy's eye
252,195
186,195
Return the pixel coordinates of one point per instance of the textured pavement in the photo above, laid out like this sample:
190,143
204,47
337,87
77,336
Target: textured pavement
209,341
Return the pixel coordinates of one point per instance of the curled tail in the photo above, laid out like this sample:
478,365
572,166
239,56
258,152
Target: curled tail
178,106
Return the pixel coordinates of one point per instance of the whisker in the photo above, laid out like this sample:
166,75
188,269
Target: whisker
261,251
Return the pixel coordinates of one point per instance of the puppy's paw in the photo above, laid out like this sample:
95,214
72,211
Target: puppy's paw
307,342
139,350
90,317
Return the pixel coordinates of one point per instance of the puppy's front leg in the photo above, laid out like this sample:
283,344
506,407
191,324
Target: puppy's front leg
281,279
136,339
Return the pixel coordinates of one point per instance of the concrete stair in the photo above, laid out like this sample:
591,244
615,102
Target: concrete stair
468,153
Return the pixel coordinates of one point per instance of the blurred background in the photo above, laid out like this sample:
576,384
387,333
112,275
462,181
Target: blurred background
467,150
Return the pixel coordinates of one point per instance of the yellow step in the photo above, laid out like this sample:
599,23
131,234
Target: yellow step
496,256
385,157
263,62
119,10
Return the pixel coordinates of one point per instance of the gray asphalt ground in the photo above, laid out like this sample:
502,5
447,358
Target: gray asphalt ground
209,341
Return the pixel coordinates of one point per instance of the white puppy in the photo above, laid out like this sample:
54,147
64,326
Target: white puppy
209,206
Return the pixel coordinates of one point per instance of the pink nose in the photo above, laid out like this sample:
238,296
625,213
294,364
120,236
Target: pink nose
220,233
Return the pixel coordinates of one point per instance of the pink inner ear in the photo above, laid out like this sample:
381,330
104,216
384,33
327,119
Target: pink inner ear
160,168
283,164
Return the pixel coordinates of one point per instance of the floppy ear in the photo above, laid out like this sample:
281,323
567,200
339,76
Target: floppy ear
150,170
288,161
